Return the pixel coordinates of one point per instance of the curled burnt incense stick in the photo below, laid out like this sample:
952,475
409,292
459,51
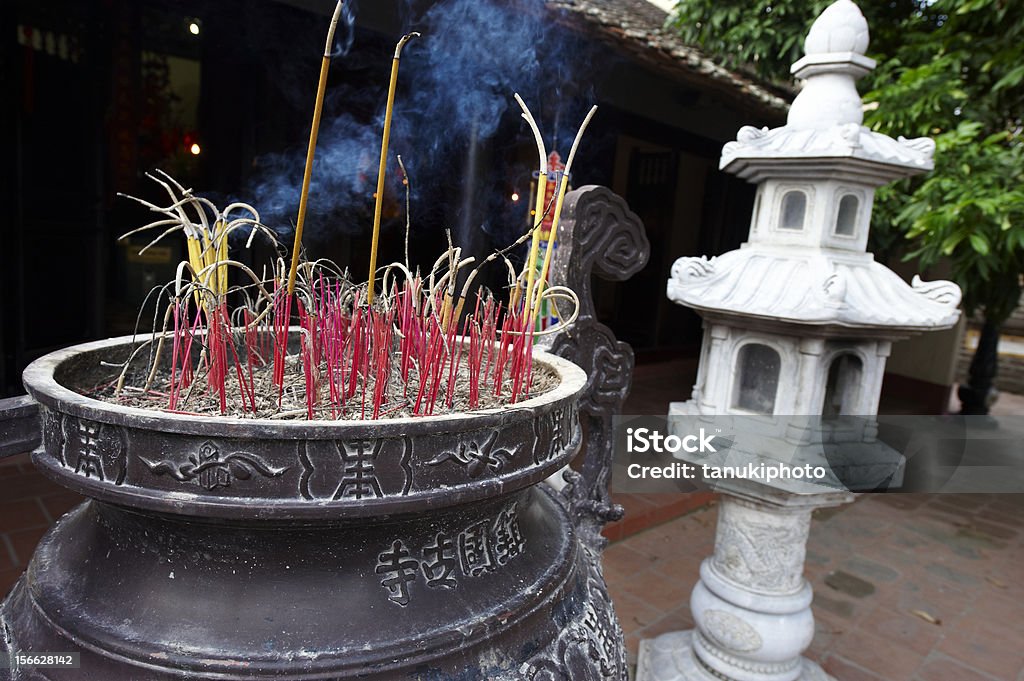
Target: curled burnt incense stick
558,213
542,178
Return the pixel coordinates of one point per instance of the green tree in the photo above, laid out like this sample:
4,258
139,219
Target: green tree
953,71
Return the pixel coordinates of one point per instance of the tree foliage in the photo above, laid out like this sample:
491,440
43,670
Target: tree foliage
953,71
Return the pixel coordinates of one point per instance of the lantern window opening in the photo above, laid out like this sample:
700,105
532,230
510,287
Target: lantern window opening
842,387
847,215
793,212
757,378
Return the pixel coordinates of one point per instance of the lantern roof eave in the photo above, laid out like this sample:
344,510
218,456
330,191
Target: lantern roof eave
789,151
812,289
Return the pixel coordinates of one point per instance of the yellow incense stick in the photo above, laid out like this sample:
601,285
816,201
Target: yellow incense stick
208,257
383,163
534,301
222,256
542,190
317,110
558,213
195,258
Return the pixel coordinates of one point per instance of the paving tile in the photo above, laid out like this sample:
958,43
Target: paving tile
17,460
904,628
27,485
814,557
1000,517
661,541
843,669
903,502
941,601
970,535
871,570
821,644
1007,503
58,504
896,557
952,575
623,562
888,659
848,584
989,649
942,668
987,608
841,607
956,512
17,515
678,619
659,591
8,561
633,613
685,567
24,543
966,501
994,530
7,580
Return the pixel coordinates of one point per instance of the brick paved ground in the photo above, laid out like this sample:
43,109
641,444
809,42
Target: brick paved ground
29,504
958,559
881,569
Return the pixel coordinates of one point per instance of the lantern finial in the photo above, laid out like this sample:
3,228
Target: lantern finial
833,61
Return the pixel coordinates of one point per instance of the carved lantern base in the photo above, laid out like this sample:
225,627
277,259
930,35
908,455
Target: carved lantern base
218,548
752,605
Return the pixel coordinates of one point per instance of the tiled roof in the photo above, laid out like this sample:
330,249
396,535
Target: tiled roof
638,27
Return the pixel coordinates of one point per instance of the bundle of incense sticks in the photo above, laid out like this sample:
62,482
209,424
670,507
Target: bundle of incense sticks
353,353
352,360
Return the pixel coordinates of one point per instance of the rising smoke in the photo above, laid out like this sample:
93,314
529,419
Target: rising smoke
455,124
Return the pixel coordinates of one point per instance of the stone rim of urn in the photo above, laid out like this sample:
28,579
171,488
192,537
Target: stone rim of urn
798,321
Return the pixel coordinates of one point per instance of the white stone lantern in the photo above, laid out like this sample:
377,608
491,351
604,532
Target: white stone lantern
798,321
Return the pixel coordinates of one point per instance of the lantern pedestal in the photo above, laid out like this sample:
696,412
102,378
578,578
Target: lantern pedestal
752,605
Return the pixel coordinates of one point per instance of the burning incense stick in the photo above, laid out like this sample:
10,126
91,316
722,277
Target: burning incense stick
384,162
557,214
317,110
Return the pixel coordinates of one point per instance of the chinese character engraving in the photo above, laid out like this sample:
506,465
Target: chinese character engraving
399,568
479,549
359,479
439,562
475,550
508,540
88,463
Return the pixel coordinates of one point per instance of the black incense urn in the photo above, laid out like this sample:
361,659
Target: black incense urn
222,548
428,548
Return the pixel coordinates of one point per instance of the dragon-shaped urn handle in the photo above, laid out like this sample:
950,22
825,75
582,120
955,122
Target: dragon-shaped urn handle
598,234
